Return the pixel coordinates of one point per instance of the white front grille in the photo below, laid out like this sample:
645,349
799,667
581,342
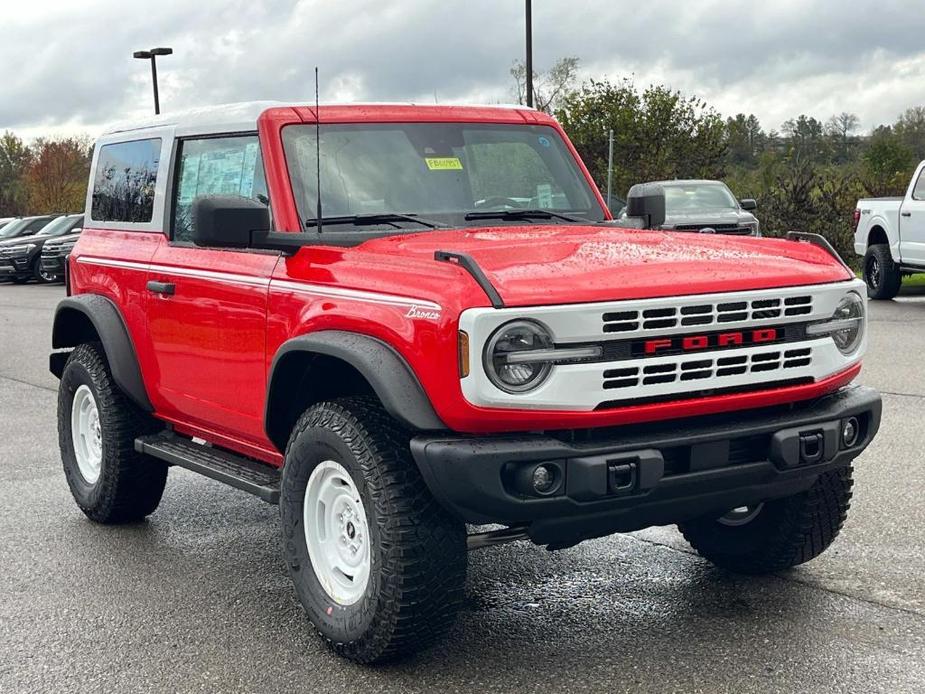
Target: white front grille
698,368
628,376
699,315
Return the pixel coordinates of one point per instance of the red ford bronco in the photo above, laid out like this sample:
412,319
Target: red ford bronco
446,330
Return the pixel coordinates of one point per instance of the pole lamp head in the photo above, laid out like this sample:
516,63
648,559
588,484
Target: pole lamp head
144,55
161,51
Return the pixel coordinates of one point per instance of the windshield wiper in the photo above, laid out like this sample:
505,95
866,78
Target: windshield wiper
380,218
521,214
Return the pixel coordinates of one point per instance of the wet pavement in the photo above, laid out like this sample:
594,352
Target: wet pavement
197,598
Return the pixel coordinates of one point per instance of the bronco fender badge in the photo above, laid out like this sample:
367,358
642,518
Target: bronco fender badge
423,313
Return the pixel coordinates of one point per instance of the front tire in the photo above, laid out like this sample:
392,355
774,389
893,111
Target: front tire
778,534
377,563
40,275
97,427
882,275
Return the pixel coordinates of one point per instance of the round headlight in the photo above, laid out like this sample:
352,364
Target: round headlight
510,373
850,313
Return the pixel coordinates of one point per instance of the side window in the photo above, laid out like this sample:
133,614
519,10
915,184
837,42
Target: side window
123,188
216,166
918,193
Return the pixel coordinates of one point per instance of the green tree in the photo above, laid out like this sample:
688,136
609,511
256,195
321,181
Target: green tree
15,158
658,133
745,140
910,128
887,163
806,140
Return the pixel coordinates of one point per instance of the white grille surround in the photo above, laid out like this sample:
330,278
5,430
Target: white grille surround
590,385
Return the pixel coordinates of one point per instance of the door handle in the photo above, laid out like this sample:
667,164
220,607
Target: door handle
906,214
164,288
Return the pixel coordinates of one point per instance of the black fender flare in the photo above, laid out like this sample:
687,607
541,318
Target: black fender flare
386,371
70,330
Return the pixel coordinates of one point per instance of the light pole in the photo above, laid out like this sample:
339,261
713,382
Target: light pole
529,65
152,55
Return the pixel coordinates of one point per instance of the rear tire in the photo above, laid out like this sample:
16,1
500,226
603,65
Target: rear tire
882,275
407,593
97,427
778,534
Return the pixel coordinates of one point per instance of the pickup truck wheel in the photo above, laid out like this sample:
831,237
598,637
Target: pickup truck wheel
882,275
778,534
97,427
377,563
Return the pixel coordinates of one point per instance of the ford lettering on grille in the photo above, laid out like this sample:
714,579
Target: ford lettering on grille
693,343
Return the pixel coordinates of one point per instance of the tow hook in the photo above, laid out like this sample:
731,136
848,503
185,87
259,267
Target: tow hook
812,447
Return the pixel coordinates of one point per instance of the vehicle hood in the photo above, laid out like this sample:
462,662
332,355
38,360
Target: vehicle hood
21,241
64,238
539,265
708,218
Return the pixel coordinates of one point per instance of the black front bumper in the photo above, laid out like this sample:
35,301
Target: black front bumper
17,267
53,264
632,477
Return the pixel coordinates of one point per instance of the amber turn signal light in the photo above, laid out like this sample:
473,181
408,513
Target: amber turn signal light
463,354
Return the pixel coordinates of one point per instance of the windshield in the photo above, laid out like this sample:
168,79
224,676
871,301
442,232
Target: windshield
59,226
698,197
13,228
441,171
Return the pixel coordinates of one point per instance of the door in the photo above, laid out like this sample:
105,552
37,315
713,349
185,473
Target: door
207,307
912,222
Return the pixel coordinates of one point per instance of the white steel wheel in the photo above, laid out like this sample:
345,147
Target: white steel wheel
87,434
337,533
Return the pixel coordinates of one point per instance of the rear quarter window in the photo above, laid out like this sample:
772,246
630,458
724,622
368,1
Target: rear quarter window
124,183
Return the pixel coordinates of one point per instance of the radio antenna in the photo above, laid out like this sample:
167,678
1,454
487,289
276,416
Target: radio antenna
317,151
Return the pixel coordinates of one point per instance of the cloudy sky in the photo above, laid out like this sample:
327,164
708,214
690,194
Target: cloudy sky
67,66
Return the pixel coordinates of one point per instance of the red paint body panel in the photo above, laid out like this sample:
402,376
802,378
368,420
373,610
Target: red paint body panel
533,266
205,352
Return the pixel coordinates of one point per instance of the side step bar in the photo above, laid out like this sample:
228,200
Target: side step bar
234,470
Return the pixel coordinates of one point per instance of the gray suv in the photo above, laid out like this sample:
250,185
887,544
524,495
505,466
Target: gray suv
700,206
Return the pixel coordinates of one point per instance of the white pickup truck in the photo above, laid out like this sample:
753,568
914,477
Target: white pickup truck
890,234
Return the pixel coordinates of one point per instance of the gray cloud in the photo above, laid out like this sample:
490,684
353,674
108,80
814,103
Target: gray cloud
69,65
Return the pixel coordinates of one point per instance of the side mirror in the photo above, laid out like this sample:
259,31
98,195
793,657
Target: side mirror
227,221
647,201
748,204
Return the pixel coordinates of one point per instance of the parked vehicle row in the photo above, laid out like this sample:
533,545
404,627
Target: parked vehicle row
25,253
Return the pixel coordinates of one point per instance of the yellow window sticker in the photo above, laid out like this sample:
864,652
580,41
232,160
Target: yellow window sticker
443,163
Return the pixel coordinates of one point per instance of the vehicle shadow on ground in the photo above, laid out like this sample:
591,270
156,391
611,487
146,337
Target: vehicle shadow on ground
617,606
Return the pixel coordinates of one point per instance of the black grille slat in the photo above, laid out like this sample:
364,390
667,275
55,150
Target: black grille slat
655,380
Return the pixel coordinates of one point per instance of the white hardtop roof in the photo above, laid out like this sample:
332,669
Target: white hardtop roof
242,116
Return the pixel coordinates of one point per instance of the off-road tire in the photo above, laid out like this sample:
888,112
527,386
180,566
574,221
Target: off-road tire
882,275
785,532
130,485
417,550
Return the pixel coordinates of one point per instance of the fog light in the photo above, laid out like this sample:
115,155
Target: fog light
544,479
849,432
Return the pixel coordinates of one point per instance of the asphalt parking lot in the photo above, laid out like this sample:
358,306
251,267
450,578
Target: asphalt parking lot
197,599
